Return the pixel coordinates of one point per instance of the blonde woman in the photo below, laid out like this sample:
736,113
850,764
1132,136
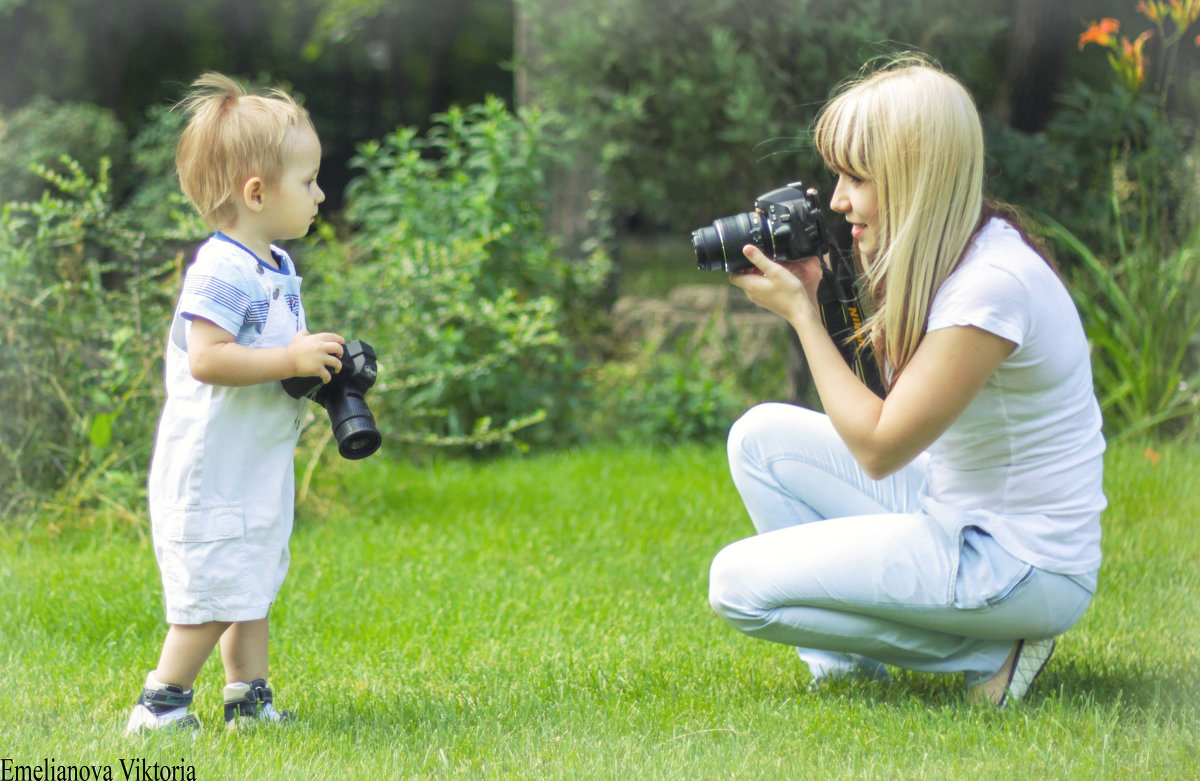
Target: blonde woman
952,526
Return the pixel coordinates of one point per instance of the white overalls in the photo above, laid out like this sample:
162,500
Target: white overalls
222,477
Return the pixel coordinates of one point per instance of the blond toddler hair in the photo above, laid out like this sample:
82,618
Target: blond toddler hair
231,136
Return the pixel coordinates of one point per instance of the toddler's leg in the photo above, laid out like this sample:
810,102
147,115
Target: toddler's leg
185,651
245,651
167,693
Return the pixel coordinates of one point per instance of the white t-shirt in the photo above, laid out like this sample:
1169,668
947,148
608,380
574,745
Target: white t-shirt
1025,459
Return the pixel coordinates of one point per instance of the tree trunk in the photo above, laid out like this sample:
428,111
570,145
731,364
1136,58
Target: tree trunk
571,183
1040,39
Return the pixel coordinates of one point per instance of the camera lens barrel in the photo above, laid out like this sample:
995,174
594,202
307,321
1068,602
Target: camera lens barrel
353,426
720,247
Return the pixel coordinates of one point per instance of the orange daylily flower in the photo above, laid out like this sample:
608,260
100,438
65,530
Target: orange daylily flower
1184,13
1152,10
1133,58
1101,32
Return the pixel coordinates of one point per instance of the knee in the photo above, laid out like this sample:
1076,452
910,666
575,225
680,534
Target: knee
731,593
747,434
747,428
773,422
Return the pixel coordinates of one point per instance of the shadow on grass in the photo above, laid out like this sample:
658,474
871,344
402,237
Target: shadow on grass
1129,684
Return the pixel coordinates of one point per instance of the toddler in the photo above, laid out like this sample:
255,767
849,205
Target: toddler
221,478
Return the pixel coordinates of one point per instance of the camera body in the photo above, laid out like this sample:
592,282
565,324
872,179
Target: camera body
786,224
342,397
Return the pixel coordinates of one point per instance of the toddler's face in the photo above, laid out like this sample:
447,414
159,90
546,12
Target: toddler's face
291,203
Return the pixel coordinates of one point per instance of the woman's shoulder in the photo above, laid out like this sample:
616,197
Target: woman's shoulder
999,254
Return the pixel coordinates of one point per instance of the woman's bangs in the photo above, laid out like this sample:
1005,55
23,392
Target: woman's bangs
841,142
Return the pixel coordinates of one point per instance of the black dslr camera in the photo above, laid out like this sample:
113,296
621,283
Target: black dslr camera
342,397
787,224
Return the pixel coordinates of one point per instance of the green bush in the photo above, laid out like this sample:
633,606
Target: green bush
42,131
664,397
470,195
154,201
441,344
1109,165
1141,314
1117,164
83,300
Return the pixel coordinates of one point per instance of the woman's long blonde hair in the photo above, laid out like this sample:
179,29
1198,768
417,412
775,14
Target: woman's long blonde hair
914,132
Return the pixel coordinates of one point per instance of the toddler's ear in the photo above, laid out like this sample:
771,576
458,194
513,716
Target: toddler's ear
252,193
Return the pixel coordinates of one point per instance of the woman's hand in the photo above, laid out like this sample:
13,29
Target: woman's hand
787,289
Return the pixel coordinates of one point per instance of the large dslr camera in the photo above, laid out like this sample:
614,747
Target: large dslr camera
342,397
787,224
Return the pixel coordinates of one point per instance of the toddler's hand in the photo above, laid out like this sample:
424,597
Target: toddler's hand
316,355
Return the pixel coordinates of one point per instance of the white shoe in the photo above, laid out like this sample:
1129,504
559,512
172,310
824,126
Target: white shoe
1014,680
1032,656
161,706
251,703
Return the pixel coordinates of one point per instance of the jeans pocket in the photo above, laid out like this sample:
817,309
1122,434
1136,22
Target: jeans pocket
203,549
987,573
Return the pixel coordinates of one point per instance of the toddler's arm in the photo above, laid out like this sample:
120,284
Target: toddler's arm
215,358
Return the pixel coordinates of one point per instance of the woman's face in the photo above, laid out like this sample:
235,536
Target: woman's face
859,201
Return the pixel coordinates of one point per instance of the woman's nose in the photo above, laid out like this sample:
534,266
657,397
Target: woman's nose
839,201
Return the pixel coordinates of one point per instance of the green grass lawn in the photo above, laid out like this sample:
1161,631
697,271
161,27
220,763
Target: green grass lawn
547,617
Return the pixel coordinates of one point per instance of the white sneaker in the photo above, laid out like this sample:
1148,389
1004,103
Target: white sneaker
248,704
161,706
1032,656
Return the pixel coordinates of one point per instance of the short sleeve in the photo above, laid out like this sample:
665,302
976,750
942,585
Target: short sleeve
985,292
217,288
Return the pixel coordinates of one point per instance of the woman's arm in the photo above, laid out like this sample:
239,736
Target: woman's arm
947,370
215,358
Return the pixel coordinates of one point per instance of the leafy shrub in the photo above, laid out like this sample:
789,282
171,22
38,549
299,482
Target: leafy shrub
439,340
155,203
1141,313
471,193
1131,177
664,397
83,300
1123,147
691,109
679,380
41,132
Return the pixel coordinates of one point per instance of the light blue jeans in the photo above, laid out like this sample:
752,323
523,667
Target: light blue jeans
851,572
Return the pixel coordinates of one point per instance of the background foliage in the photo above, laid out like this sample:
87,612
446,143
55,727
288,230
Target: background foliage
696,108
483,316
473,242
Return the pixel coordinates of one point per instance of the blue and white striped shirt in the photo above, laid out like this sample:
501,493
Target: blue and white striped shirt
220,286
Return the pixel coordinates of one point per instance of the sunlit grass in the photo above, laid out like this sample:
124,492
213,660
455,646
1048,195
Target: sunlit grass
547,618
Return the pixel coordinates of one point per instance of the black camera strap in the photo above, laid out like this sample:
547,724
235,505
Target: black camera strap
842,315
